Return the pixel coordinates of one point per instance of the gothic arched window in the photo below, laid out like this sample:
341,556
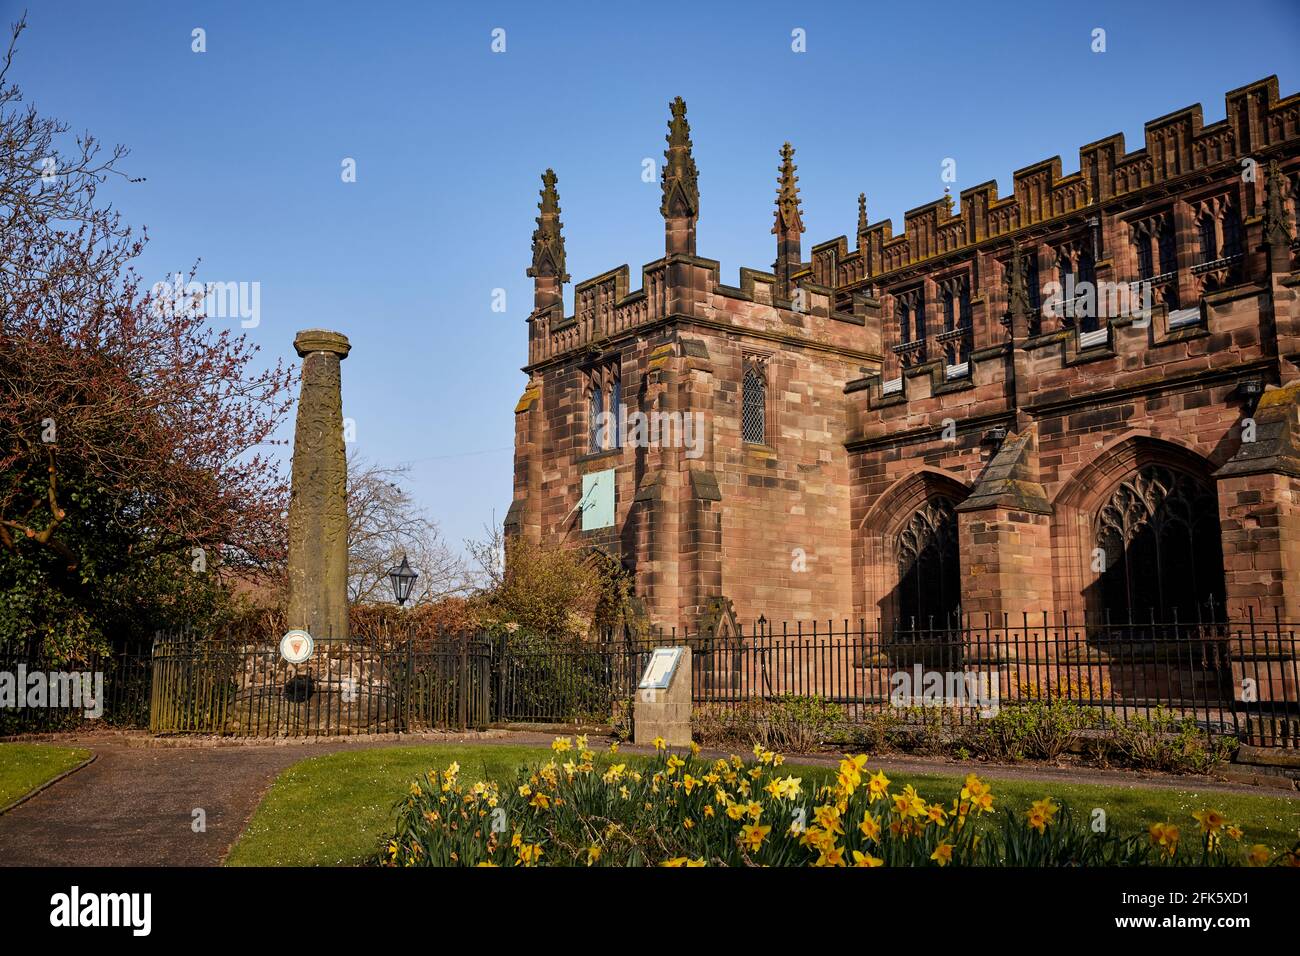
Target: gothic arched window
1231,232
1167,245
754,405
1146,265
1159,549
596,420
615,400
1031,280
929,568
1209,241
1087,280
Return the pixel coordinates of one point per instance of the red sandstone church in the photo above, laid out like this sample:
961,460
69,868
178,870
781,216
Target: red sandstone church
1079,399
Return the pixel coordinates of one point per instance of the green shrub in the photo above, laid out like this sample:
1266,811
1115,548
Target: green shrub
790,722
1168,742
1037,730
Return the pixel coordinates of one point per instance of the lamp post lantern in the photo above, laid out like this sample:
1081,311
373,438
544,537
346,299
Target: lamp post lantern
403,579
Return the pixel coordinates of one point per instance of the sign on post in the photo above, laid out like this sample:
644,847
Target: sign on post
659,671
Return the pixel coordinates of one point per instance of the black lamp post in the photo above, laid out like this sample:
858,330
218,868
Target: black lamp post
403,579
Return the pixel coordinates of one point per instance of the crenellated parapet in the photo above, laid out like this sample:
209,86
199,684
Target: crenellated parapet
1257,124
1131,255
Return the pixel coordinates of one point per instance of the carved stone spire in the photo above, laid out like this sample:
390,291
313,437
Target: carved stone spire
547,270
1277,234
681,203
862,214
789,224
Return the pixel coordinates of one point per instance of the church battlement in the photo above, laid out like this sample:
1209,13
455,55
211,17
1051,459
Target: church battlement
1176,146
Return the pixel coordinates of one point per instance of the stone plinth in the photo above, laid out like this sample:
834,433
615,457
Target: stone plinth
665,712
318,519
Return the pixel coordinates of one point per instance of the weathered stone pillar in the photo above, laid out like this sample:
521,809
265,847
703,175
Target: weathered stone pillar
318,521
1259,495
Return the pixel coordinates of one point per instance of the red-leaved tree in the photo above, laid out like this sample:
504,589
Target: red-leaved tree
149,417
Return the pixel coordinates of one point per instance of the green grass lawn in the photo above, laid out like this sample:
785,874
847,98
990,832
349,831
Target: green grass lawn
334,810
24,767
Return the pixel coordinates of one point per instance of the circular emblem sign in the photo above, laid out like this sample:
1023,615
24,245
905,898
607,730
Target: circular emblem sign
296,646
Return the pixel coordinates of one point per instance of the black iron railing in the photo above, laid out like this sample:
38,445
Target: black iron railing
345,687
40,693
1240,678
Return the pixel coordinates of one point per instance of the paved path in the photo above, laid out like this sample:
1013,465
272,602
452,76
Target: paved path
133,806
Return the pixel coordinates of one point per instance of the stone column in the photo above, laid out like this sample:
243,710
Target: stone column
318,521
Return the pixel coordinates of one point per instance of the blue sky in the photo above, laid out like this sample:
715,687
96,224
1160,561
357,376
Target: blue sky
242,149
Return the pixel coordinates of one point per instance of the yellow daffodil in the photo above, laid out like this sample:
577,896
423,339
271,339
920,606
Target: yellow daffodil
852,766
870,826
909,803
561,745
831,856
659,743
752,835
1211,821
878,786
1259,855
828,818
529,853
942,854
866,859
1165,836
787,788
1040,814
972,787
593,854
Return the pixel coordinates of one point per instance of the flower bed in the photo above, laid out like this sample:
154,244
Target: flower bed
679,810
